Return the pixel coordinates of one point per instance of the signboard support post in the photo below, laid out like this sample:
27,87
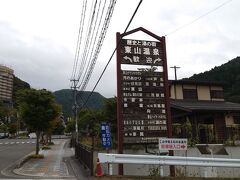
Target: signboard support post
119,105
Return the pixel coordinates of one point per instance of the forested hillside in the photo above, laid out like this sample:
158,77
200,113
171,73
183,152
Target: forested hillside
229,74
65,98
18,84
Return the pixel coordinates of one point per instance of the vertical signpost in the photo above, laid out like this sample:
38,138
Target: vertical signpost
106,140
142,93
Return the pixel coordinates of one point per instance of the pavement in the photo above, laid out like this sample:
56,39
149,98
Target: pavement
58,163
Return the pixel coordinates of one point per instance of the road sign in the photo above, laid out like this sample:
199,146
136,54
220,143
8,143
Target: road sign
172,144
143,92
106,135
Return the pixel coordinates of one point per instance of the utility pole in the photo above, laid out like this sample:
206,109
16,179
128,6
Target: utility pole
175,73
75,106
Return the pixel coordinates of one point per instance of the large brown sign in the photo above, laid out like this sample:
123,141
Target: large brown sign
143,97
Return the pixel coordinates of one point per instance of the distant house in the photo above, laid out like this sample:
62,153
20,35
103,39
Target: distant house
200,112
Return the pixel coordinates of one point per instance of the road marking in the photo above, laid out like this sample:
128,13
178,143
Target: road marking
17,142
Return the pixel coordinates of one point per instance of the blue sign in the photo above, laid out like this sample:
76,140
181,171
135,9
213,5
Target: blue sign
106,135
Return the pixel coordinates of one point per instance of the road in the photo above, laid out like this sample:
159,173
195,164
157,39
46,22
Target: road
12,150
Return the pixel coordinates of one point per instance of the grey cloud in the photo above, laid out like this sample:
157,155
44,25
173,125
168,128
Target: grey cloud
39,62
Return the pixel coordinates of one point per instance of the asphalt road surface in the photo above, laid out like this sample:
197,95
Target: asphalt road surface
12,150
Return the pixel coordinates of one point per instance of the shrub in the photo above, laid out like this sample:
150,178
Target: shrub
46,147
37,156
51,143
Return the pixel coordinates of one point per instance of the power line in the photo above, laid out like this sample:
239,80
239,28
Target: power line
112,54
200,17
86,46
79,39
93,40
99,44
93,44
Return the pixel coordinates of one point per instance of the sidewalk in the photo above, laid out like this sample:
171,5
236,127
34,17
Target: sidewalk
51,166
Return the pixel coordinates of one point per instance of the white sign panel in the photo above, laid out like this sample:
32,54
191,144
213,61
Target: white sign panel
172,144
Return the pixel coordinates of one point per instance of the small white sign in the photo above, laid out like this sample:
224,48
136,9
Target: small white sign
172,144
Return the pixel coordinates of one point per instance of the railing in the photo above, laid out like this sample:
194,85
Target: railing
85,155
167,160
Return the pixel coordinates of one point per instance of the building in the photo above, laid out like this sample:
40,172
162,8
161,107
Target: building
200,113
6,84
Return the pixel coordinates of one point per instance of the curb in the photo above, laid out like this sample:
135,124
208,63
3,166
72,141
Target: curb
9,171
17,169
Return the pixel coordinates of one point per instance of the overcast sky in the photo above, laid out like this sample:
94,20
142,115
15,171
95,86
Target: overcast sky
38,37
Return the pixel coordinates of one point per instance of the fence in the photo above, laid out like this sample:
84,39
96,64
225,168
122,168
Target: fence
85,155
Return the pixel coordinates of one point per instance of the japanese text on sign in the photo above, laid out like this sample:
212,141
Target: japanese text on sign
172,144
141,52
106,135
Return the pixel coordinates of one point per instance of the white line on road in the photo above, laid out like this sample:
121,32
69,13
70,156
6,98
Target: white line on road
17,142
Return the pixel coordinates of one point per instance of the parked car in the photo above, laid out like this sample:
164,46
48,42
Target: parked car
3,135
32,135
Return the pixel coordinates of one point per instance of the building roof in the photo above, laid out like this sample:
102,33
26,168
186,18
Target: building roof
195,82
204,105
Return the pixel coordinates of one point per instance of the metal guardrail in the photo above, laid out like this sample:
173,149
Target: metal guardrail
167,160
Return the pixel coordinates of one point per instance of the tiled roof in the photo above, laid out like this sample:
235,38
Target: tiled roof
204,105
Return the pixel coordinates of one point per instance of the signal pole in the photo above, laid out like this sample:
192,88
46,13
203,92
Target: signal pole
75,106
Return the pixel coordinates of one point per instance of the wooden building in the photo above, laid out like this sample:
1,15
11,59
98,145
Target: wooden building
200,113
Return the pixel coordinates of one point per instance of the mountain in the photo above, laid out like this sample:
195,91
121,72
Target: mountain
18,84
65,98
228,74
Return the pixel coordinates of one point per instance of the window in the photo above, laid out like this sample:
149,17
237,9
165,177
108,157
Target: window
190,94
216,94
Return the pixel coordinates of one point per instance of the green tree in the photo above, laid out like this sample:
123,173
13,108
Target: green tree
37,108
55,127
12,128
58,127
3,111
70,127
89,123
110,114
3,128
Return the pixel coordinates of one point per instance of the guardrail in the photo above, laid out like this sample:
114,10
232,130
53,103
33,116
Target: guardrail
167,160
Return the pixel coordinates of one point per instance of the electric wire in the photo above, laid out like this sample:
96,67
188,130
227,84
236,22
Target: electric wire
100,43
79,39
84,104
198,18
93,41
89,31
84,70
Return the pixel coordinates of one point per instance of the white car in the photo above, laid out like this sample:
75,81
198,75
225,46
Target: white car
32,135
